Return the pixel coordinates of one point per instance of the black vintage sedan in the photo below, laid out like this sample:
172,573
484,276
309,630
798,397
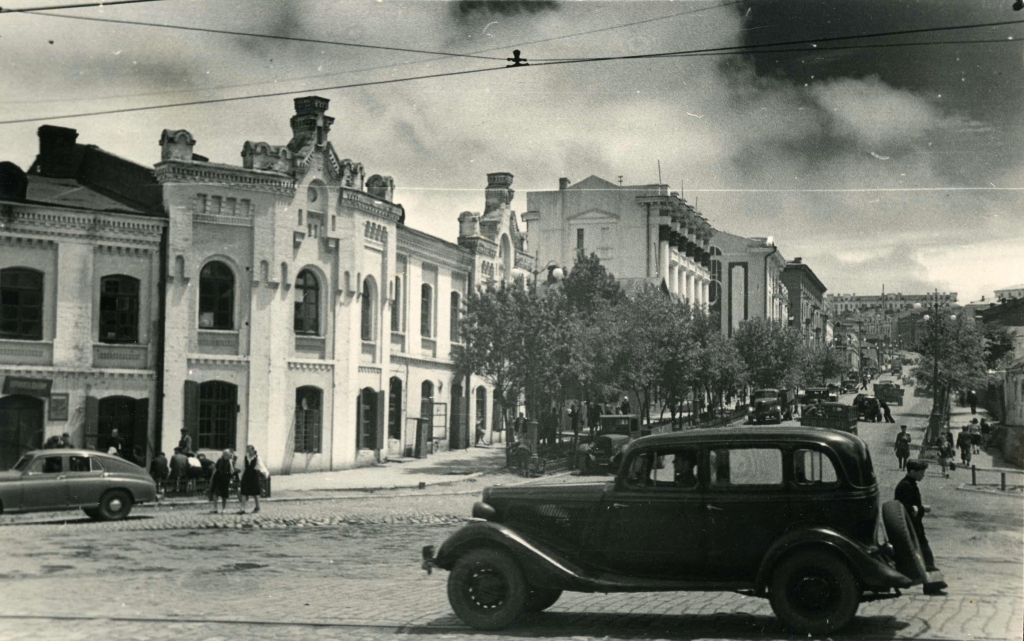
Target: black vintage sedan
105,487
789,514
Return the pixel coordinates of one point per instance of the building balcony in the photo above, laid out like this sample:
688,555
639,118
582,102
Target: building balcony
310,346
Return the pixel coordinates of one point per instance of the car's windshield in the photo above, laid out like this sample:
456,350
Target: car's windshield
764,393
22,463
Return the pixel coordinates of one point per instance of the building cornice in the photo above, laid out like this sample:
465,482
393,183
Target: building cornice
57,222
370,205
413,242
410,358
179,171
77,372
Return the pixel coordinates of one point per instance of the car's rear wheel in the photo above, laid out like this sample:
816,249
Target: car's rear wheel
115,505
487,590
814,592
906,548
541,599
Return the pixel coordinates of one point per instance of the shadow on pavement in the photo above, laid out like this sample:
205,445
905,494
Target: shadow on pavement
560,625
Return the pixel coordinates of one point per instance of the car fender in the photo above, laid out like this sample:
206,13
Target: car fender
870,571
541,566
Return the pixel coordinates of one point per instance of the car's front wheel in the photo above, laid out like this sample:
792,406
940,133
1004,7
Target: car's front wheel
814,593
115,505
92,512
487,590
541,599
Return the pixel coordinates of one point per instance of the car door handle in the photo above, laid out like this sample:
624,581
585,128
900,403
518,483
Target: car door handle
713,508
62,477
620,505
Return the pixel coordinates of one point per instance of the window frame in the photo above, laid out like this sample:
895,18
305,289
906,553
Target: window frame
427,310
306,312
309,441
366,312
747,487
131,299
207,439
225,291
813,485
396,307
455,311
654,454
20,307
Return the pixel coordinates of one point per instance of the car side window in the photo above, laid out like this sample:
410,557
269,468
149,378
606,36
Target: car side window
78,464
675,468
96,465
745,467
47,465
638,473
811,467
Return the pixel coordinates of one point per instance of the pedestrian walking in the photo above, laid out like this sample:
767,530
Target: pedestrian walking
220,484
115,444
972,398
945,454
159,470
909,494
624,407
886,411
975,431
963,443
252,480
902,447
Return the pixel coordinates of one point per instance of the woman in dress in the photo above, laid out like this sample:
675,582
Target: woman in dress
902,447
251,477
220,482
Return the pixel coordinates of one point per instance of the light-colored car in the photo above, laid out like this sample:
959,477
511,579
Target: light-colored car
105,487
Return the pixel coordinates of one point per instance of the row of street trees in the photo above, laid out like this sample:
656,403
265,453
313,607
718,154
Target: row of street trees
587,339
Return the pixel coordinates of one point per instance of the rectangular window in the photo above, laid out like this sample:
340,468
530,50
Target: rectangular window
396,306
426,311
811,467
21,304
78,464
675,468
308,419
245,207
229,207
201,203
215,205
456,315
579,239
747,466
119,309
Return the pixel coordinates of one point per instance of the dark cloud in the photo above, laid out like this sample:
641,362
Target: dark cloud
468,8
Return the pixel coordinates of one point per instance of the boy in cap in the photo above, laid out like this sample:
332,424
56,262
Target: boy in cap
909,495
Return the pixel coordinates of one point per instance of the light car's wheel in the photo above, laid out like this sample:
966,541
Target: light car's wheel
487,589
541,599
115,505
906,547
92,512
814,593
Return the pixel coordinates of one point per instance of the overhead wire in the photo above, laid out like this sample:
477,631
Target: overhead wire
80,5
376,67
753,49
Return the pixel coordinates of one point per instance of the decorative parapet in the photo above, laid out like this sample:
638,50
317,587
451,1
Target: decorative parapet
370,205
171,172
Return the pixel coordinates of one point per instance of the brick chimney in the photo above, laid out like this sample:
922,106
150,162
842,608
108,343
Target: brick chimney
57,157
176,145
563,183
13,183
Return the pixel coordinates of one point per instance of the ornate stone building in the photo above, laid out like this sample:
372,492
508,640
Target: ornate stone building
302,315
80,239
641,233
747,280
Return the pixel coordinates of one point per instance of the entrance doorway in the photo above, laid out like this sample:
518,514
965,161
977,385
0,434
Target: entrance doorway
367,416
21,427
459,435
395,416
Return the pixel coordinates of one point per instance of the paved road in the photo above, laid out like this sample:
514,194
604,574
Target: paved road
348,569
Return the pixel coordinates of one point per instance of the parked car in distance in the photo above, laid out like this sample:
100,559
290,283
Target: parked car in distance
833,416
867,406
823,394
678,517
849,385
613,433
105,487
889,392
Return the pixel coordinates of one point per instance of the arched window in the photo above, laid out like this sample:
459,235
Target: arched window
119,309
456,316
366,324
216,297
21,304
426,311
308,419
307,303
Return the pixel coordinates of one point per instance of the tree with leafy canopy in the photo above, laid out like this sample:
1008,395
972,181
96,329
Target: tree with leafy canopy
999,342
770,352
820,364
720,370
959,348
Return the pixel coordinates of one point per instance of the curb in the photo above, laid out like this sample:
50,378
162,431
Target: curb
980,489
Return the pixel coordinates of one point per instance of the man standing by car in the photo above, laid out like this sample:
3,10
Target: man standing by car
886,411
909,495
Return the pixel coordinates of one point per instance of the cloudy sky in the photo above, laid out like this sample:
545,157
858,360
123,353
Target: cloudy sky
901,166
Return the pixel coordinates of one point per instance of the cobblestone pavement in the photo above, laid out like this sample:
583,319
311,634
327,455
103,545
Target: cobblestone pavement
349,569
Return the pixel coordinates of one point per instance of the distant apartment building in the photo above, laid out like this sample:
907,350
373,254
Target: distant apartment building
80,297
746,280
641,233
807,309
841,303
1010,293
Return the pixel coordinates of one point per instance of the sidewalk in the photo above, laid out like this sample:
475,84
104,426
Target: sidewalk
439,469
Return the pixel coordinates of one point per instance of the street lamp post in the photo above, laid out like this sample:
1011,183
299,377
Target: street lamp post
938,405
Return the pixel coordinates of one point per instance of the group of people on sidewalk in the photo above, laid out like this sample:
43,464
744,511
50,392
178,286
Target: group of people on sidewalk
187,467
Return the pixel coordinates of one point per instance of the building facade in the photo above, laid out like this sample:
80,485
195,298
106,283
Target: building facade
893,303
746,277
303,317
807,309
80,260
641,233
